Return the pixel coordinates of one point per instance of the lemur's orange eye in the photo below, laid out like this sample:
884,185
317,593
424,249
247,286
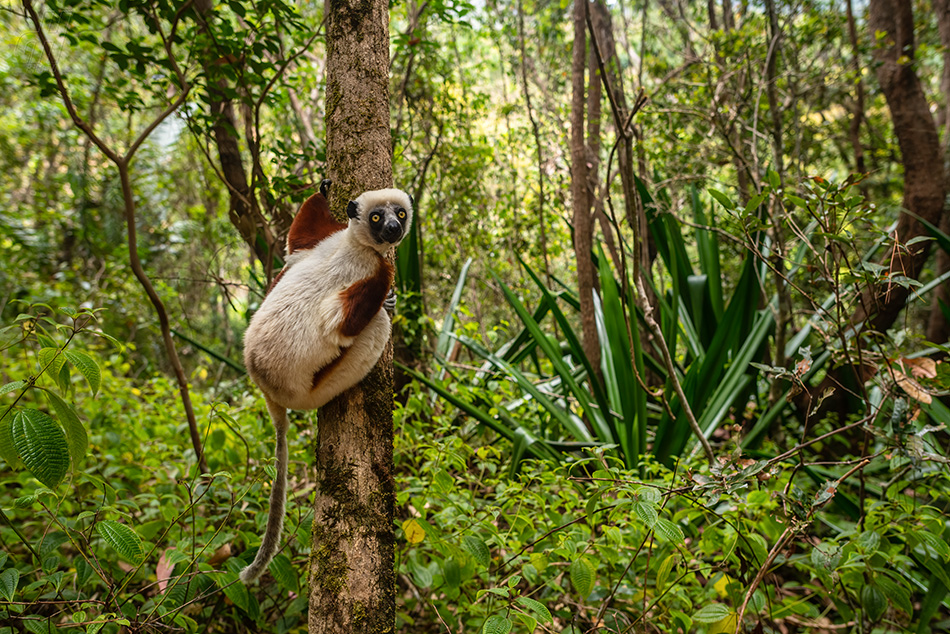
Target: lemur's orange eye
402,214
374,217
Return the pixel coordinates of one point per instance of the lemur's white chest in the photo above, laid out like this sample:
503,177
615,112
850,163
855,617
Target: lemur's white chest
301,314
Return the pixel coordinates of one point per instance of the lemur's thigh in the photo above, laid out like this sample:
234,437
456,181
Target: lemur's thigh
354,363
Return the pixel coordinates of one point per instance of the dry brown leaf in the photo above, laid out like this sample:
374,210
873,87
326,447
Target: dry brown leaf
911,387
163,571
921,368
221,555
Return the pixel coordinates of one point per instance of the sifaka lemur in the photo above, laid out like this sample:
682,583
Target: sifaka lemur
324,322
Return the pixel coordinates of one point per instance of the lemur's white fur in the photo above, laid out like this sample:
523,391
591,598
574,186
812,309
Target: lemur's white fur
325,304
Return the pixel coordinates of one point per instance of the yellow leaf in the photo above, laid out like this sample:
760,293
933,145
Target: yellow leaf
414,531
725,626
721,584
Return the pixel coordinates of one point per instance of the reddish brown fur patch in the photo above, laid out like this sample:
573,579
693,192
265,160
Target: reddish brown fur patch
274,281
322,373
312,224
362,300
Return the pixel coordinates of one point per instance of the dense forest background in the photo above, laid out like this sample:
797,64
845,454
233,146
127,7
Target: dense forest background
669,339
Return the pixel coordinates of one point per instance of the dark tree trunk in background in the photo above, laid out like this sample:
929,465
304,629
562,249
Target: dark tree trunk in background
352,579
583,241
857,110
938,327
243,209
924,187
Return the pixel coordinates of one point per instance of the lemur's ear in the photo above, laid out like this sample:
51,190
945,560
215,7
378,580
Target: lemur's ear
352,210
411,200
325,187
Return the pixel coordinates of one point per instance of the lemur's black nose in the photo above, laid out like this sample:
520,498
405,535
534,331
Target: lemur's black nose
392,231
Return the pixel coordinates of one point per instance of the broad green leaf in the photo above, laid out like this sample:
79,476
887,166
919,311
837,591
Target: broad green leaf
664,572
284,573
234,589
712,613
52,361
530,622
76,437
646,512
86,366
897,594
452,573
536,608
873,601
934,542
477,549
7,448
582,576
41,445
722,199
422,576
9,579
122,539
668,531
496,624
10,387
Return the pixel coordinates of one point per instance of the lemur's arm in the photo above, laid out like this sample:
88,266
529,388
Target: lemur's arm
363,299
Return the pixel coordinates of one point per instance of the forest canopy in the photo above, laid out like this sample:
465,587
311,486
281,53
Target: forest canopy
670,339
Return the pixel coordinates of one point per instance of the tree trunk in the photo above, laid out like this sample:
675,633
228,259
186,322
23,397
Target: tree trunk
243,210
352,579
938,327
857,111
920,150
583,241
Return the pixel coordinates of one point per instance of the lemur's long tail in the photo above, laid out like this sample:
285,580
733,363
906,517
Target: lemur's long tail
278,498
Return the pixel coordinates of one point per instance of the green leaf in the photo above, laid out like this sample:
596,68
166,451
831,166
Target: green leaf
668,531
284,573
10,387
722,198
874,602
582,576
452,573
537,608
664,572
76,437
7,449
234,589
86,366
934,542
530,622
712,613
477,549
496,624
646,512
9,579
897,594
41,445
122,539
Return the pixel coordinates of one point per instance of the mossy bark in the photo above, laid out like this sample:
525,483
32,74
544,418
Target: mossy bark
352,580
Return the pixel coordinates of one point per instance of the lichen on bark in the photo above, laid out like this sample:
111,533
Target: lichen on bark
352,578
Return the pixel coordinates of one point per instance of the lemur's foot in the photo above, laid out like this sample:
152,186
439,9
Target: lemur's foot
390,302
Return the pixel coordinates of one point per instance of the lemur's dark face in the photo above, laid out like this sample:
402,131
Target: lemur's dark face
381,218
387,223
